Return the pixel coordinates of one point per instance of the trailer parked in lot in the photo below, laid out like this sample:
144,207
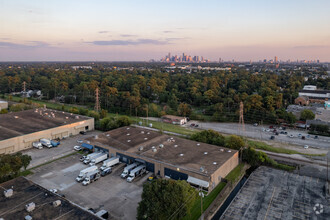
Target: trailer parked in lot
91,177
110,162
128,169
91,157
136,172
106,171
98,159
82,175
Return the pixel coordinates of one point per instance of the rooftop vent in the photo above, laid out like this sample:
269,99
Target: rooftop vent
175,145
57,203
148,133
71,114
128,141
8,193
142,132
127,128
28,217
77,117
30,207
229,151
221,149
15,116
154,150
198,144
66,117
214,163
108,135
128,134
96,137
63,112
161,145
202,169
205,152
145,138
181,155
141,148
153,147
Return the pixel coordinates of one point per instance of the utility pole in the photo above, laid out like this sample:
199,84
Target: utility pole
97,106
241,126
24,86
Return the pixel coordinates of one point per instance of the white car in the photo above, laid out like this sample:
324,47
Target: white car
77,148
53,190
80,141
267,130
291,136
306,146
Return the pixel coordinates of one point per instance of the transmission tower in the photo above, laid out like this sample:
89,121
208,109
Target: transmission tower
24,86
97,100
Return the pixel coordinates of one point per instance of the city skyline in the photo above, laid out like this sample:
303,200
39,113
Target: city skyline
139,31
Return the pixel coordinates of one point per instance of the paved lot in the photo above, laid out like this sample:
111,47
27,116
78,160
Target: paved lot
111,193
276,194
258,133
66,147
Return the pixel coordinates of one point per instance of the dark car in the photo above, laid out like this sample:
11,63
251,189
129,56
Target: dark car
276,133
303,137
82,132
272,137
196,126
106,171
316,137
192,125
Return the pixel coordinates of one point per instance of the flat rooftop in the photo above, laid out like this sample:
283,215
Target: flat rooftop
167,149
25,122
26,192
275,194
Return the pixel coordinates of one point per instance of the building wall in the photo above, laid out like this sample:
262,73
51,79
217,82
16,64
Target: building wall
3,105
301,101
23,142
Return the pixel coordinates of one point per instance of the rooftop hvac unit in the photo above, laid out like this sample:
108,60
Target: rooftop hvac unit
161,145
142,132
221,150
128,134
8,193
128,141
28,217
141,148
154,150
30,207
145,139
66,117
96,137
175,145
57,203
215,163
181,155
205,153
77,117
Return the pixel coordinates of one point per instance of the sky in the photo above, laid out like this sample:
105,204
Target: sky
140,30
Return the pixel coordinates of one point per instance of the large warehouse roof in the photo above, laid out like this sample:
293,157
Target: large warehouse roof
25,192
25,122
200,157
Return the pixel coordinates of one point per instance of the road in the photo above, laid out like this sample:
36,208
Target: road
258,133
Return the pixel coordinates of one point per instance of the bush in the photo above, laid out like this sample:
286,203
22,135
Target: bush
234,142
94,115
3,111
110,123
210,137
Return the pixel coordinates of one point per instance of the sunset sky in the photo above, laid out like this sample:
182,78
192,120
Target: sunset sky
138,30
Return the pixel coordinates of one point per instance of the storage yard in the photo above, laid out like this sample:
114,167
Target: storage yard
18,130
277,194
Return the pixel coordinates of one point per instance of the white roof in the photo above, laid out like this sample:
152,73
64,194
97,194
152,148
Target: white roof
198,182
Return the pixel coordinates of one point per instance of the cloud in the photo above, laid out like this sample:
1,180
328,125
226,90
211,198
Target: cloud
28,45
130,42
128,35
311,47
103,32
168,32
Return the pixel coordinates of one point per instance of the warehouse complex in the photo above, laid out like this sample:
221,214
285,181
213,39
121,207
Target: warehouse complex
22,199
201,164
18,130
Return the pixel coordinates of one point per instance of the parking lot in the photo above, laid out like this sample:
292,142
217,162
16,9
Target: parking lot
111,193
40,156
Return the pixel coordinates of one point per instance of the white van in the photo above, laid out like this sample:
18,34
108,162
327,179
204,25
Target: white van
37,145
46,143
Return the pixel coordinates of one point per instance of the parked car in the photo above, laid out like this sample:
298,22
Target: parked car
192,125
271,126
306,146
80,141
272,137
303,137
196,125
255,124
53,190
276,133
267,130
77,148
291,136
316,137
299,135
37,145
82,132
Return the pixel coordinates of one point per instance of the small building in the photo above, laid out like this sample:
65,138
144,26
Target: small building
3,105
177,120
302,100
327,105
18,130
309,87
200,164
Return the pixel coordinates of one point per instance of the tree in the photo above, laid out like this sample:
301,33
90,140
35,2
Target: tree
307,114
184,109
103,113
166,199
26,159
210,137
234,142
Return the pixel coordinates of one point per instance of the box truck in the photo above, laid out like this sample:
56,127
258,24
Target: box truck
136,172
91,177
83,173
98,159
46,143
91,157
128,169
110,163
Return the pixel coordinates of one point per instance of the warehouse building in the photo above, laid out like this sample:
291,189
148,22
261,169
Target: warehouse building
22,199
202,165
18,130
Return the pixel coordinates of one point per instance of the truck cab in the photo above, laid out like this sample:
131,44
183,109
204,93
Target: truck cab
124,174
106,171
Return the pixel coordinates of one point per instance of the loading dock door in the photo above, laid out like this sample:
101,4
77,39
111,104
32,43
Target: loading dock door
150,167
175,174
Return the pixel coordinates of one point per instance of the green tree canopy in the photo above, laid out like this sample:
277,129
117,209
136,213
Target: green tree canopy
234,142
307,114
166,199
